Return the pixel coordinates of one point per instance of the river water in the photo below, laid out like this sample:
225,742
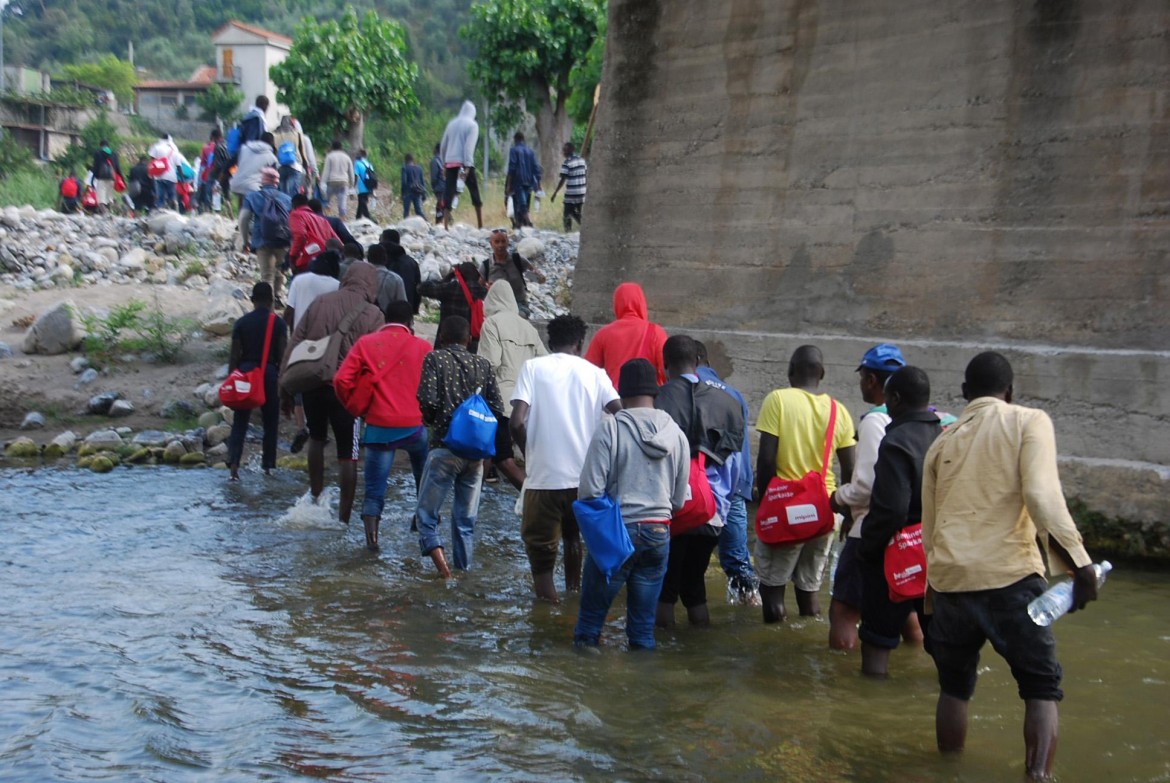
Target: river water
159,624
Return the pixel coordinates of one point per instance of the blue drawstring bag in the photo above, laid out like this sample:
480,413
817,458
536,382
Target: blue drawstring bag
600,520
472,433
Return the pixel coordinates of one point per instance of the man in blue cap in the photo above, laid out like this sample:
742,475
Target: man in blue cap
852,499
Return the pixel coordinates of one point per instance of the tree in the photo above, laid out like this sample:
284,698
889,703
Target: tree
338,72
109,72
220,101
527,50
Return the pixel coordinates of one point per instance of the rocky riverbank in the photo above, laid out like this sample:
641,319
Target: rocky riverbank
54,269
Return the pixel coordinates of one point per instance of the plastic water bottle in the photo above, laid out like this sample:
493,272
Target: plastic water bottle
1058,599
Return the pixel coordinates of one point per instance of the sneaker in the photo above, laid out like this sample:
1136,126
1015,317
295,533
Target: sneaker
299,442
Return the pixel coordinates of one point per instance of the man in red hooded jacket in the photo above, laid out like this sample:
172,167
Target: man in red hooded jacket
309,231
631,336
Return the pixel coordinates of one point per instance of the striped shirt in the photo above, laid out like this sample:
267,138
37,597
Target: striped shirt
574,170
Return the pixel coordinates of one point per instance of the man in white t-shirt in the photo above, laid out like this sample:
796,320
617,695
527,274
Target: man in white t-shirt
852,499
322,278
557,404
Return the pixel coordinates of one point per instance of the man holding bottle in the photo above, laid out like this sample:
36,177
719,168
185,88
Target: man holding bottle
990,491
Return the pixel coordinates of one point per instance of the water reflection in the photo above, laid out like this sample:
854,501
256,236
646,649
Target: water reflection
162,625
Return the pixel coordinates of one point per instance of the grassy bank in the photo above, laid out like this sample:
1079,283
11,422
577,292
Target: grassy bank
37,187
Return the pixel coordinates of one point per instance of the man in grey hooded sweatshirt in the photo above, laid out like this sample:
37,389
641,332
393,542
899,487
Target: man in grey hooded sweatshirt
641,458
458,153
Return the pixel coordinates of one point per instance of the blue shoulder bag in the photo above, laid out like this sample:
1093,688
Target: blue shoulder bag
603,528
472,433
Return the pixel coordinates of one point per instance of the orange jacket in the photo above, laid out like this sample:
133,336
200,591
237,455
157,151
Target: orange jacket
631,336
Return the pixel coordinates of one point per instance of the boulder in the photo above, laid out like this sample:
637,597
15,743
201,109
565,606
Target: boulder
66,441
217,434
221,373
100,404
55,331
531,248
11,217
134,259
104,439
209,419
211,396
86,378
78,364
150,438
121,409
139,456
5,350
22,448
175,409
33,420
415,225
101,464
221,314
159,221
193,458
174,452
217,451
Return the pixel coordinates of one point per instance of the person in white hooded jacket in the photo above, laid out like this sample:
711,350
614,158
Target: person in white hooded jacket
255,156
458,153
165,179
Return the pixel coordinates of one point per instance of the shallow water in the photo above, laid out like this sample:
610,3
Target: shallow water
164,625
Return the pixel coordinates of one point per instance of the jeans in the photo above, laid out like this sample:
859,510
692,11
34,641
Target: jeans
642,575
379,458
269,415
205,195
733,549
520,200
443,471
339,192
410,200
164,194
290,181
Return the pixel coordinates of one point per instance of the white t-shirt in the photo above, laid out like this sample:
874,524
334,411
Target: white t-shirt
856,493
306,287
566,396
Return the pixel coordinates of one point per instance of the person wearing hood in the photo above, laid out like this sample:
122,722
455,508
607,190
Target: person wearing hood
310,234
557,403
457,150
323,410
641,458
631,336
165,180
507,340
403,265
255,156
390,286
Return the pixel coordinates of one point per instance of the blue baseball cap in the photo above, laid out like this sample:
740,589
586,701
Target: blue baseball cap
883,358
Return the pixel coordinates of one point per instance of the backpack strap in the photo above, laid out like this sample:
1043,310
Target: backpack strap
267,342
829,436
466,291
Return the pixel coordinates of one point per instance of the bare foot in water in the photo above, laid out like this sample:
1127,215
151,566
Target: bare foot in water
440,562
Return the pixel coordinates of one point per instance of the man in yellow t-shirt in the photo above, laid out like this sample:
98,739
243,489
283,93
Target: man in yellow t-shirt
793,424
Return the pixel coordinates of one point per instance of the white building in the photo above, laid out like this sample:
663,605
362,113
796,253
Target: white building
244,55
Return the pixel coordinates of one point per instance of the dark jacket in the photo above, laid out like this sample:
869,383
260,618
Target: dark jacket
896,500
398,262
248,341
105,165
450,296
412,182
338,226
711,418
449,376
438,176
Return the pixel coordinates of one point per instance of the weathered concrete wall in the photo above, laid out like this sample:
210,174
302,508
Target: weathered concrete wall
948,175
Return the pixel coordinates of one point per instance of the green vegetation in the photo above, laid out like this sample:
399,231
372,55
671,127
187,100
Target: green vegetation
131,328
527,51
108,72
34,186
339,72
220,101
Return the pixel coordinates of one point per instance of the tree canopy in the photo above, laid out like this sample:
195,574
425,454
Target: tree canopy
115,75
338,72
219,101
527,51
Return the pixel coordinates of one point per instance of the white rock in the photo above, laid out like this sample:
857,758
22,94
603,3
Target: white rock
415,225
531,248
66,440
56,330
221,314
134,259
104,439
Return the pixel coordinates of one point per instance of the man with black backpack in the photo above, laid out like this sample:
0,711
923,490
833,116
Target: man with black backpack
264,218
105,168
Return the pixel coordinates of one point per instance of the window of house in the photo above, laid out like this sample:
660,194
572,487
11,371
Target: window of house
169,100
227,64
189,101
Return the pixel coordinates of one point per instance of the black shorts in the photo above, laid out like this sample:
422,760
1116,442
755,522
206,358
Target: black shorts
472,187
962,622
882,620
322,412
847,583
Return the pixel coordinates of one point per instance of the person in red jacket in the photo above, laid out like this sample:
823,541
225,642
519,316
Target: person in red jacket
309,231
631,336
378,382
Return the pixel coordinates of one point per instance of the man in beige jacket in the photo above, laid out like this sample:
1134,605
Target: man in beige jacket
337,176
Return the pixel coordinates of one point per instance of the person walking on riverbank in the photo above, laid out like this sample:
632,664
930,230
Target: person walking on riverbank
714,425
438,184
574,172
742,585
310,233
247,351
640,458
851,499
366,181
337,175
450,375
323,411
794,427
264,224
895,503
413,188
402,264
105,169
458,152
990,492
523,179
452,297
509,267
557,403
378,382
164,171
632,336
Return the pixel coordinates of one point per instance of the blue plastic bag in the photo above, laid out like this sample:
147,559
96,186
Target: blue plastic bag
472,433
604,531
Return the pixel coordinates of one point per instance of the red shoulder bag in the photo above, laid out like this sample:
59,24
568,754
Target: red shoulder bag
905,565
795,511
244,391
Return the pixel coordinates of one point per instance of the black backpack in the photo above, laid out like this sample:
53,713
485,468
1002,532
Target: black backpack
274,228
371,179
